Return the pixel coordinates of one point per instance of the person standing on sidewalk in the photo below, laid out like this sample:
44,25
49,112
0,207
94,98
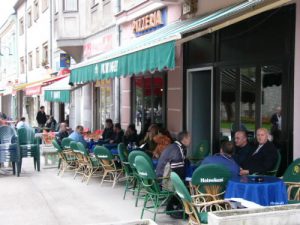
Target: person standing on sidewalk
41,117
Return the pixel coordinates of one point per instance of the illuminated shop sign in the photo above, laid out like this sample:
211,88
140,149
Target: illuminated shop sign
150,22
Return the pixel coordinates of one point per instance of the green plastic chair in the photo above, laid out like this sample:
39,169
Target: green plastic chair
107,162
65,143
65,163
129,177
291,178
29,146
9,148
276,167
155,198
200,152
197,211
88,165
138,185
190,209
209,182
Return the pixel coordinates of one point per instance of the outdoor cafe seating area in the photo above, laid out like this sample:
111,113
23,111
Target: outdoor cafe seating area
206,188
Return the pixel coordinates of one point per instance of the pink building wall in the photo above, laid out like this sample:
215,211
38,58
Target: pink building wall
125,101
174,115
175,95
296,146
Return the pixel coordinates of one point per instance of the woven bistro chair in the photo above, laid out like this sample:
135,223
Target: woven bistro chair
209,182
90,165
111,172
81,162
65,163
197,212
9,148
291,178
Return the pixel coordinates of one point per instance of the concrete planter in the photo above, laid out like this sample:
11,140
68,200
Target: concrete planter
275,215
137,222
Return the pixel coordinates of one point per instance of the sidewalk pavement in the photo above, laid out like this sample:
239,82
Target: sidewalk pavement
43,198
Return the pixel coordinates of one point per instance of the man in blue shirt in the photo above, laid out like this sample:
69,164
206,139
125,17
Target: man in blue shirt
77,135
224,158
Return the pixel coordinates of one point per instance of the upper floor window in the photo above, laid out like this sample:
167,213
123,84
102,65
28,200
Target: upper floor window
29,18
21,26
22,65
70,5
94,3
30,61
45,5
45,54
56,6
37,57
36,10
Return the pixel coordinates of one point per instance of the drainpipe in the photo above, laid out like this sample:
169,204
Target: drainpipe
25,39
51,35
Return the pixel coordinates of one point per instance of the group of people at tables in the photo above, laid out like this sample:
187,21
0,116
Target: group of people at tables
240,157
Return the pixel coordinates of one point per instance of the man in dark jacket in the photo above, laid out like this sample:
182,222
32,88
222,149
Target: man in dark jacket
108,130
118,134
174,154
63,133
264,158
41,117
243,150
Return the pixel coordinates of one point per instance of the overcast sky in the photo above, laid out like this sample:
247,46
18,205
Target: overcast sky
6,8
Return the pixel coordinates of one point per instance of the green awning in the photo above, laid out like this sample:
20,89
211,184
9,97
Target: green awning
154,51
156,58
58,91
57,96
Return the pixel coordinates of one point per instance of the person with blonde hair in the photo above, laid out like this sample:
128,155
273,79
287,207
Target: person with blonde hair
264,158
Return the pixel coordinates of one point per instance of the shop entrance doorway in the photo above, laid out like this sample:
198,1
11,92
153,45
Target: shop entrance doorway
200,107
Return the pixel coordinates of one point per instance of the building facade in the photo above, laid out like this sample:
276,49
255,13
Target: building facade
84,30
8,68
34,58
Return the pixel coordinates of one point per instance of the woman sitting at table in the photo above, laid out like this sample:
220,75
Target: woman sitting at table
162,140
149,144
264,158
130,137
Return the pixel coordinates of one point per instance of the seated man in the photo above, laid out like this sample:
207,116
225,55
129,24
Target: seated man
62,133
118,134
224,158
116,138
264,158
242,148
77,135
174,154
108,132
22,123
130,137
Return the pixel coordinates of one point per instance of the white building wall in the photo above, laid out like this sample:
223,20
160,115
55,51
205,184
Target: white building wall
297,85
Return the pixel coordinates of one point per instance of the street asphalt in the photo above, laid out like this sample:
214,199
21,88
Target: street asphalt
43,198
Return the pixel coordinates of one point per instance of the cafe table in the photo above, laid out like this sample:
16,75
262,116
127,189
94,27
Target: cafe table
263,190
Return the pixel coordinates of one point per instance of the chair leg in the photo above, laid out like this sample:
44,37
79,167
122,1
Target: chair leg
14,168
38,161
34,163
145,205
138,194
104,175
